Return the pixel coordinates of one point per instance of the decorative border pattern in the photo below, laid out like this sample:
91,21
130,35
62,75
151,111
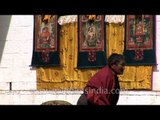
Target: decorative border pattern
139,40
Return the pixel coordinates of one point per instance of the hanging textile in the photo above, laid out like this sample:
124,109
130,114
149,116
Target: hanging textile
46,35
91,44
140,40
66,19
66,77
118,19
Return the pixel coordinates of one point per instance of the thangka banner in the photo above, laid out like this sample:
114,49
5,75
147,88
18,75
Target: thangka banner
46,37
140,40
91,42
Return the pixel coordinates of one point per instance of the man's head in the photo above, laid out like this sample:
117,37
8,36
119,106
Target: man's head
117,63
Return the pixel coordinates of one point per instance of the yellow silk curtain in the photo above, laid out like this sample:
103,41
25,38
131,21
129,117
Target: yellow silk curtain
68,77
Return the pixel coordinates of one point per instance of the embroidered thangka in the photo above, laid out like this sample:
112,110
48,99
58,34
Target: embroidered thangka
46,36
91,42
140,40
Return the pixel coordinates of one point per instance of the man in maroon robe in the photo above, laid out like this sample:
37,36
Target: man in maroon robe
103,88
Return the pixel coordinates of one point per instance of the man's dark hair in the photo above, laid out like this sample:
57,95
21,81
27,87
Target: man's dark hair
115,58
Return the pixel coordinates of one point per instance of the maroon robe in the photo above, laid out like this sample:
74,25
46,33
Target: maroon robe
103,88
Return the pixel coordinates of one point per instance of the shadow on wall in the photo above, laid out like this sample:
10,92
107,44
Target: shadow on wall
4,26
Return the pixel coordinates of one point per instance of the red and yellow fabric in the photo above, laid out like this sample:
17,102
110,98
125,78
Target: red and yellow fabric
46,41
69,77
